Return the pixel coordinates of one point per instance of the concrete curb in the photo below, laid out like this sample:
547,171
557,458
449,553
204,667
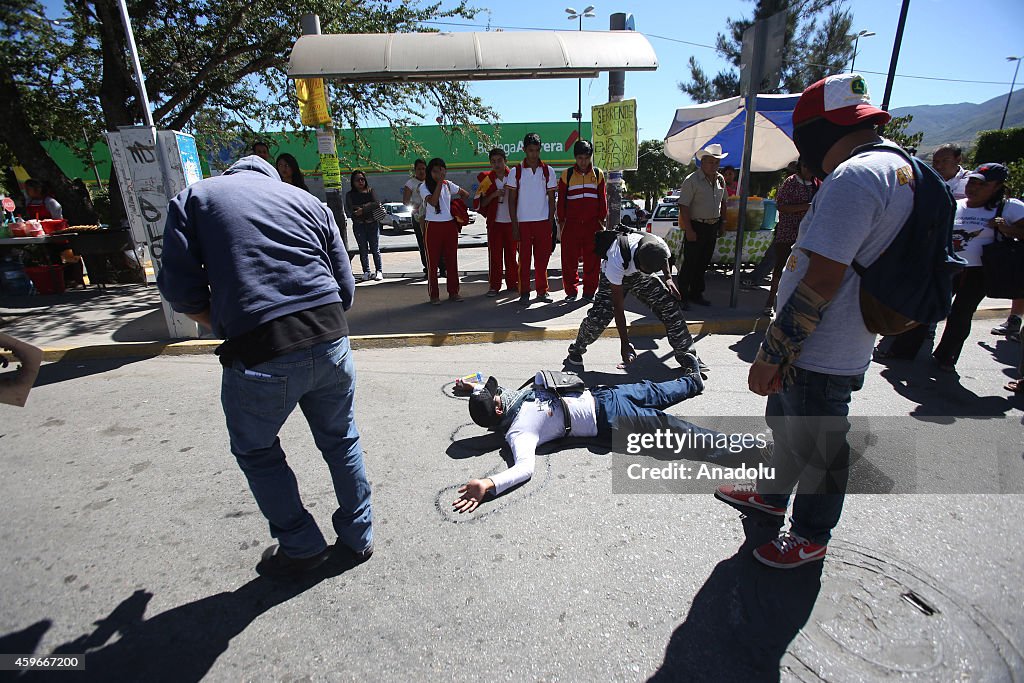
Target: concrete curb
198,347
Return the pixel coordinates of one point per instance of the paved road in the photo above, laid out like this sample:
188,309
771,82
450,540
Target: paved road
130,532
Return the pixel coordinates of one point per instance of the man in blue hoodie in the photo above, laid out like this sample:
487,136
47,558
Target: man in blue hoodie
262,264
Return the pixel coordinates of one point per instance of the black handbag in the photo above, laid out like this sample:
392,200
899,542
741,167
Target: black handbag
1003,261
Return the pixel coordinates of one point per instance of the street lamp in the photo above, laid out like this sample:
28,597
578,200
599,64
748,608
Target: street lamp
856,42
574,15
1010,94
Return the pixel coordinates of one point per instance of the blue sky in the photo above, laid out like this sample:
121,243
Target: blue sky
952,39
944,38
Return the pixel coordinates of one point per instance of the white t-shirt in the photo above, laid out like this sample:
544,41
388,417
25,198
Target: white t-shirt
972,229
858,211
538,422
415,198
533,195
444,202
958,183
612,264
502,215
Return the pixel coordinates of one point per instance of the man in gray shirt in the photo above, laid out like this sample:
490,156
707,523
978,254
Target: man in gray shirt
816,350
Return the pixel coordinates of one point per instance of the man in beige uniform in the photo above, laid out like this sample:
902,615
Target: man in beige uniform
701,208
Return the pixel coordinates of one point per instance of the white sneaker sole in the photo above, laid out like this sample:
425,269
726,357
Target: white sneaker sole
788,565
765,509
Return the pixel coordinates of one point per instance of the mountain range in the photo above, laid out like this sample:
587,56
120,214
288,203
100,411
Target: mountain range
960,123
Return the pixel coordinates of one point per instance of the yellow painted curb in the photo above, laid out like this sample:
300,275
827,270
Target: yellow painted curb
194,347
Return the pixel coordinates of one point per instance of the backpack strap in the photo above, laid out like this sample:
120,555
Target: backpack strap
568,179
624,251
884,146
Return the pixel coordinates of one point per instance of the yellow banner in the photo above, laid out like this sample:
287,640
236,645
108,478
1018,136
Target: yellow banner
312,101
615,136
331,171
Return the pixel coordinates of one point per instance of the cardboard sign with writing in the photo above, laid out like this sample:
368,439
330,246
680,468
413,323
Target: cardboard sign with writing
615,136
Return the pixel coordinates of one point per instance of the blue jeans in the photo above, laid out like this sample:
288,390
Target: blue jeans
321,380
809,425
368,239
639,408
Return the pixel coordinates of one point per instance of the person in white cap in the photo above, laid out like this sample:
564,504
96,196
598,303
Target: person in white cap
817,349
701,208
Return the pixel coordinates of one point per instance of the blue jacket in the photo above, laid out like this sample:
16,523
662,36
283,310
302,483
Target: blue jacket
251,249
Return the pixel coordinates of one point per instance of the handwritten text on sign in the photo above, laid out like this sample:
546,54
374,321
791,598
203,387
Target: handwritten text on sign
615,136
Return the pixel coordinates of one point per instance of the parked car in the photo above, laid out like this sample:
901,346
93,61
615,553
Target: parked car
664,218
631,213
399,216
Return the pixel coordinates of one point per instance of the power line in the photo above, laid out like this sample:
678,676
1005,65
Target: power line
712,47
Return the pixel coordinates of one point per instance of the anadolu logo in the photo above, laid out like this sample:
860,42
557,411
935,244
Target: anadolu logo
859,87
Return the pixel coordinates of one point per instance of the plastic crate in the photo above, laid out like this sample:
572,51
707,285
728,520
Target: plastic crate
47,279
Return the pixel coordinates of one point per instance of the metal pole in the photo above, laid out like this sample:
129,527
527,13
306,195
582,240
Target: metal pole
1009,95
616,91
756,67
853,62
895,54
133,52
579,96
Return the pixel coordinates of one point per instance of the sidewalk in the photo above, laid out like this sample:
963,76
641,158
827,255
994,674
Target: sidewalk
127,320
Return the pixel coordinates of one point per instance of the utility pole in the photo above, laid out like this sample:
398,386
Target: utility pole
573,14
1010,94
616,91
325,139
895,54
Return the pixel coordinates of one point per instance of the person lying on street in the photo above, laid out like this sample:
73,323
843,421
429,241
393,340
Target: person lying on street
533,416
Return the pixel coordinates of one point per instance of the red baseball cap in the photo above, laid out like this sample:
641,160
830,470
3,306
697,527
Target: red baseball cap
842,99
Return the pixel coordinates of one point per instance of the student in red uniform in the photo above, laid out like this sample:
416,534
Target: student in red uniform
442,232
582,211
531,204
492,202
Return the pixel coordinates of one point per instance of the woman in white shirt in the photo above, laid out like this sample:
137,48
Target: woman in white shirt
442,232
978,217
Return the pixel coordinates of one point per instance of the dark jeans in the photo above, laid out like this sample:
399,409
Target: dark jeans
640,408
368,239
321,382
697,257
968,291
809,426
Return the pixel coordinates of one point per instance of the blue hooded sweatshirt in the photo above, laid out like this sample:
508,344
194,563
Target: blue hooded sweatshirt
251,249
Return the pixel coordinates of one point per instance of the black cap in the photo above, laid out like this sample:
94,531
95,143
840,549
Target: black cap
989,172
481,404
651,254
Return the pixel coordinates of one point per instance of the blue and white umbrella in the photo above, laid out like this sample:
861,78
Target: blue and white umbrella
722,122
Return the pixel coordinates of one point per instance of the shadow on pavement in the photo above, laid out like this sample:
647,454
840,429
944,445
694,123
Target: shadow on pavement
179,645
69,368
939,396
743,618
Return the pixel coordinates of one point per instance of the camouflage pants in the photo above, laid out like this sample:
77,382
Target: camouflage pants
649,290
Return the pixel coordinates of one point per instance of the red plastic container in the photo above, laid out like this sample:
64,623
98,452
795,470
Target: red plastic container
47,279
52,225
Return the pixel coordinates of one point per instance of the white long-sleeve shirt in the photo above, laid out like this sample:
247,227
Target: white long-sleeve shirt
540,421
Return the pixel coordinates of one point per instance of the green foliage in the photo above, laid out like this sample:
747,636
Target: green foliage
1002,146
815,47
656,173
896,130
213,68
1015,183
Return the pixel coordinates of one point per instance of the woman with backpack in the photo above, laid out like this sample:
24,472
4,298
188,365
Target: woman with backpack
979,216
361,203
442,230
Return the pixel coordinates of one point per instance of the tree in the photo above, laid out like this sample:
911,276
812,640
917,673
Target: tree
214,68
655,172
896,130
815,47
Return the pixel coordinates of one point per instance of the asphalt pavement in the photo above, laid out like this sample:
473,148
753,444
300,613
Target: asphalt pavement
130,535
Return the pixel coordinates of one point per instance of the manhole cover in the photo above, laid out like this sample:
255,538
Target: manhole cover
876,619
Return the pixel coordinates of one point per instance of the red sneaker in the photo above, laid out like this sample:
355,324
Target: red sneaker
789,550
745,495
